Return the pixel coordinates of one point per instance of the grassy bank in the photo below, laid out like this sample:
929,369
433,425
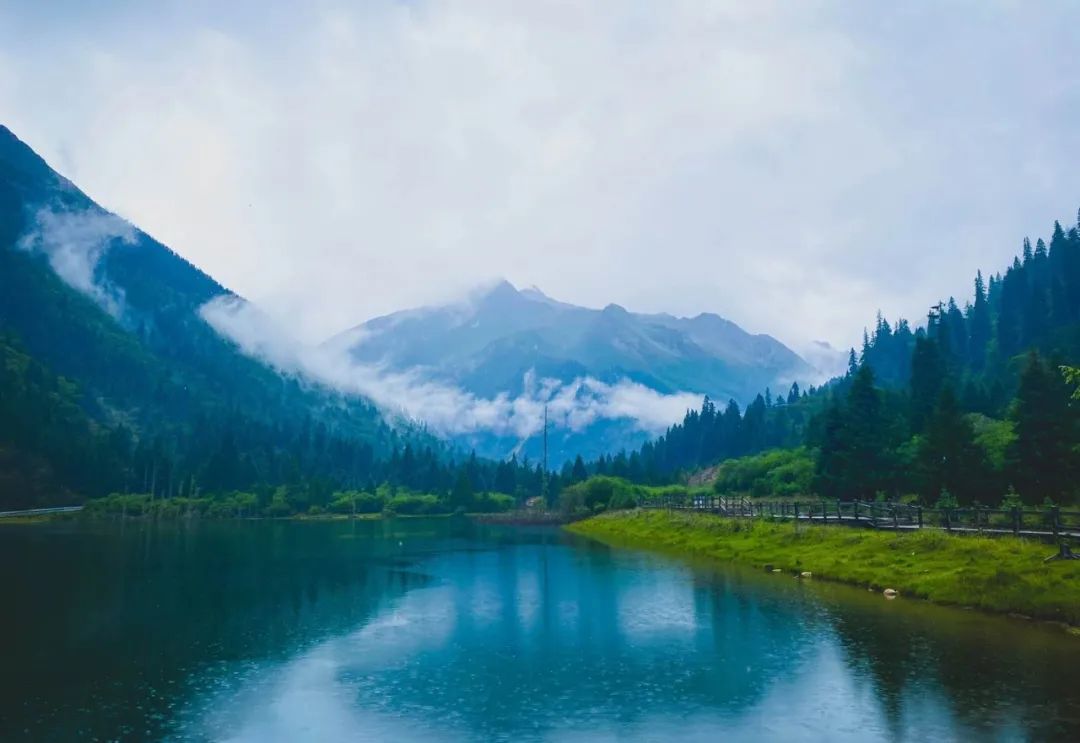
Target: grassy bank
996,574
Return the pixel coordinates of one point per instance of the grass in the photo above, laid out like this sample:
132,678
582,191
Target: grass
1000,574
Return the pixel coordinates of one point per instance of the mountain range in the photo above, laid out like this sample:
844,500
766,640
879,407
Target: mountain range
509,343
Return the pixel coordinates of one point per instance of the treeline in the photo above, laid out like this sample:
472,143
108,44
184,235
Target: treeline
972,406
867,446
271,502
290,466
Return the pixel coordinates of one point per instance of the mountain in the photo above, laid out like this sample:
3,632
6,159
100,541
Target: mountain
113,379
505,342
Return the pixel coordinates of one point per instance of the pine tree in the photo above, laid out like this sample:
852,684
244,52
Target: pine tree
578,473
831,470
1011,310
867,432
461,496
1042,459
979,326
853,458
927,377
949,458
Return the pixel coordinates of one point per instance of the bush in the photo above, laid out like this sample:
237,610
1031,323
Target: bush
356,502
599,490
416,505
278,506
778,472
493,503
1011,500
946,500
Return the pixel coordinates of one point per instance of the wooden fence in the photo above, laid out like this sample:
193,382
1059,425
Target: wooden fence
1049,523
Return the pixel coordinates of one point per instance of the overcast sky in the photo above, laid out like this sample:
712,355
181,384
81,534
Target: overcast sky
792,166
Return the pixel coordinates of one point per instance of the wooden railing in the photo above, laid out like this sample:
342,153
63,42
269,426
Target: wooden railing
1052,522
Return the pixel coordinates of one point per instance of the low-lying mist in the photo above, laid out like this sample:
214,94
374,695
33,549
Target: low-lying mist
74,243
444,408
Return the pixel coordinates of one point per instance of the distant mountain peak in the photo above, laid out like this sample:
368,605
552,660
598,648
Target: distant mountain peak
535,292
498,288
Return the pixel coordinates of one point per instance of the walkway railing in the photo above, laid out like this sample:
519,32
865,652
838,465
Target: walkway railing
1051,522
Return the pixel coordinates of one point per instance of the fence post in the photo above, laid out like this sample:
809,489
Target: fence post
895,520
918,512
948,521
824,513
796,510
1055,514
856,510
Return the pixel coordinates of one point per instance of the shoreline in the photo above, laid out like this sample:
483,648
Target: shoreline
507,518
999,575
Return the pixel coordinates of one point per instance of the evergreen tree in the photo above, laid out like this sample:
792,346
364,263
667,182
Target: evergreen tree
578,472
949,458
461,496
979,326
927,377
853,459
1042,459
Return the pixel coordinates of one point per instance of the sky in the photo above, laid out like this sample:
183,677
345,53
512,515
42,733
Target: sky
791,166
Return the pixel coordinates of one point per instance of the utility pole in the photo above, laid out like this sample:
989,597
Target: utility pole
544,470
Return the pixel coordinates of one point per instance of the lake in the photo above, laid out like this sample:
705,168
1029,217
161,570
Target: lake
443,629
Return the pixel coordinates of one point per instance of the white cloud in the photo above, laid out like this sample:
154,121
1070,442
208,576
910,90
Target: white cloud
445,409
74,243
792,166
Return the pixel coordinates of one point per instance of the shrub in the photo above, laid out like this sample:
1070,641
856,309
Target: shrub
416,505
278,506
493,503
946,500
1012,499
356,502
777,472
598,490
622,500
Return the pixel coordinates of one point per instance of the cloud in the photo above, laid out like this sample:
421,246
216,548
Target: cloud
74,243
791,166
446,410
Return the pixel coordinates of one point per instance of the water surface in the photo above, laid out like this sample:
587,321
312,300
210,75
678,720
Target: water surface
446,630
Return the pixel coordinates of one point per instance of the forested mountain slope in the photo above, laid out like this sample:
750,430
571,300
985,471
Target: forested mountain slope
973,404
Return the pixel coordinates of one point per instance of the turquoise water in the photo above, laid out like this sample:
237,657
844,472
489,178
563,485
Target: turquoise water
445,630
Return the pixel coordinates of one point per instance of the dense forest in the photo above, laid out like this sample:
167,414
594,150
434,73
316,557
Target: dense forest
973,406
50,447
